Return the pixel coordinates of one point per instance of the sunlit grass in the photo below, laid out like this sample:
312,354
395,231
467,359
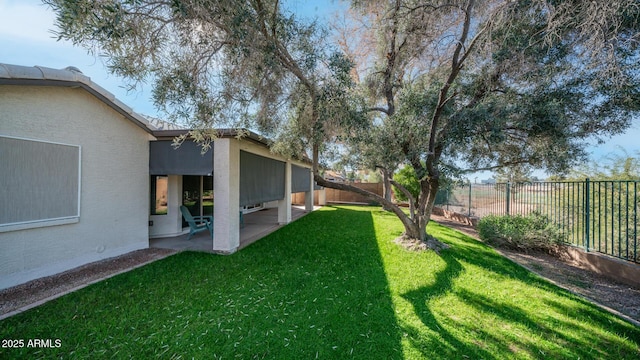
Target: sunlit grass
330,285
471,301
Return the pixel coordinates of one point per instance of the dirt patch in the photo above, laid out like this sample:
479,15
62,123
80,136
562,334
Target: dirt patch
597,288
40,290
417,245
411,244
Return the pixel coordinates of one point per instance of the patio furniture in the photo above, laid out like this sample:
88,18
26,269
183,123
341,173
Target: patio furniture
197,223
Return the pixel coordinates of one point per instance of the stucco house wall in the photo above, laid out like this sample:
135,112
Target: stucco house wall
114,198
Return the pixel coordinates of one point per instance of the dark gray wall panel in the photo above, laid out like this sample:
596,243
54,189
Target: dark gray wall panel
300,179
38,180
185,160
261,179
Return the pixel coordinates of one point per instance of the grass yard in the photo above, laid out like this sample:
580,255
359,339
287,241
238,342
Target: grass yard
331,285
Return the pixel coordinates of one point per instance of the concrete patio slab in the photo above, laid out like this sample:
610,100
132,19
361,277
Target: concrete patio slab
256,226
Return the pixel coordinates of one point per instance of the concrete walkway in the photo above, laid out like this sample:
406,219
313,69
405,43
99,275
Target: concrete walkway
256,226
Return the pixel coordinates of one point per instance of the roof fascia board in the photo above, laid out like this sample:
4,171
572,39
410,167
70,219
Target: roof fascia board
243,134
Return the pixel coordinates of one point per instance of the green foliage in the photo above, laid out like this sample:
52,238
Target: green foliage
473,84
532,103
406,177
531,232
218,63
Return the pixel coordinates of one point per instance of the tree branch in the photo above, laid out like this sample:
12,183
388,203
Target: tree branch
456,66
378,108
412,200
406,220
494,167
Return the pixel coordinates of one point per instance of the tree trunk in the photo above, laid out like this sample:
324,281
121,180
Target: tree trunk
386,181
428,191
415,228
410,198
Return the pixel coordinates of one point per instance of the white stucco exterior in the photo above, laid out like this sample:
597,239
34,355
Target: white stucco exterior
114,198
64,107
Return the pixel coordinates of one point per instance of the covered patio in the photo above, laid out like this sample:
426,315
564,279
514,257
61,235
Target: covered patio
237,174
256,226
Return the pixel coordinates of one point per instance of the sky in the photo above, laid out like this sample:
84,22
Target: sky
26,39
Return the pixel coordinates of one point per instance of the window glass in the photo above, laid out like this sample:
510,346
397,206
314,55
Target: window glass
159,194
207,195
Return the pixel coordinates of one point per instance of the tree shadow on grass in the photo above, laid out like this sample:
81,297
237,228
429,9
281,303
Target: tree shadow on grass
558,326
448,345
333,255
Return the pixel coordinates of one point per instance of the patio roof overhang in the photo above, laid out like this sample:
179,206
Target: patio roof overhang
244,134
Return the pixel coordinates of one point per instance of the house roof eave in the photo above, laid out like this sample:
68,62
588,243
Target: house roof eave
69,77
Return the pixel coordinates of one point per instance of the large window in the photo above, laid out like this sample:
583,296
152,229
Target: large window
40,183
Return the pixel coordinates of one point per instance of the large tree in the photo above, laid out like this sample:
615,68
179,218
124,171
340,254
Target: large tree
486,84
466,85
217,63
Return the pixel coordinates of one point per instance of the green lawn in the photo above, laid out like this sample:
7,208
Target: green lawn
331,285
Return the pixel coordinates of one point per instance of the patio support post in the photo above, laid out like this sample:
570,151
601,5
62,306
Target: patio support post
226,192
174,200
308,196
284,205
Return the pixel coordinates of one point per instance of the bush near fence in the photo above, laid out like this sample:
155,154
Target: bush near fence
597,216
524,233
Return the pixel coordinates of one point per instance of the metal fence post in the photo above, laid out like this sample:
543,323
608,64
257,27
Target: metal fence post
469,209
586,214
447,196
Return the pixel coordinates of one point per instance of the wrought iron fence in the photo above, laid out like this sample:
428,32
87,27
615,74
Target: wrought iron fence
595,215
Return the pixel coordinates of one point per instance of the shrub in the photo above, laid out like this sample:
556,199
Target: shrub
407,178
524,233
